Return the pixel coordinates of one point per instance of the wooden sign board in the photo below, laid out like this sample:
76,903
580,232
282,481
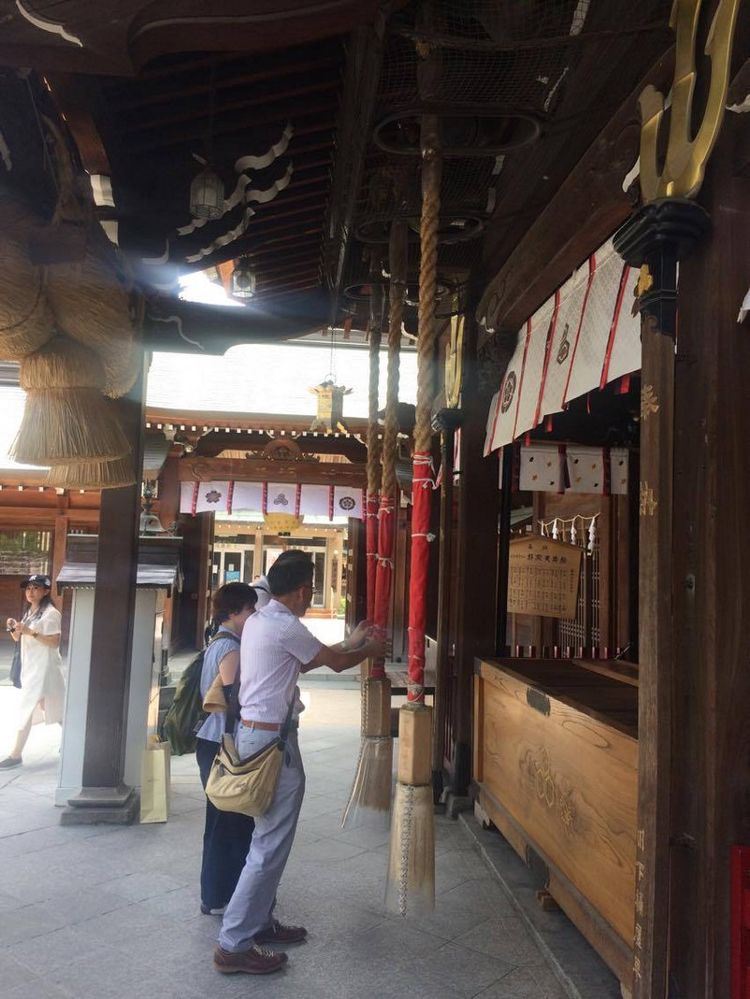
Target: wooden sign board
543,577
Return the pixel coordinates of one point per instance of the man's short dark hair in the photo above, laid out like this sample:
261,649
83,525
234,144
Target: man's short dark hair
289,573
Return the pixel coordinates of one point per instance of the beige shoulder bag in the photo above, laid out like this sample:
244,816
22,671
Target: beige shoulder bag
247,786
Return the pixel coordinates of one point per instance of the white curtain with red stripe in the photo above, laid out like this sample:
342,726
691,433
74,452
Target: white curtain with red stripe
584,336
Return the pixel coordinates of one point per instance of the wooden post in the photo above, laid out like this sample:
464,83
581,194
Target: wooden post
478,498
111,640
503,554
60,538
711,581
447,421
656,665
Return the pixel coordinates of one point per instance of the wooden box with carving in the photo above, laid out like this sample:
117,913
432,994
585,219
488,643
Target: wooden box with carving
556,765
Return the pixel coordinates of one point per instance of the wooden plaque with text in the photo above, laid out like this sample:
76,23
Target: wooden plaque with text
543,577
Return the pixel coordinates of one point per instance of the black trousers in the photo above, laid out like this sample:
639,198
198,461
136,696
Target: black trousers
226,840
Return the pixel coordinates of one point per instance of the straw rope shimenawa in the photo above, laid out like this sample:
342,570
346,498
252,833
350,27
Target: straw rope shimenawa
26,321
66,419
370,799
410,884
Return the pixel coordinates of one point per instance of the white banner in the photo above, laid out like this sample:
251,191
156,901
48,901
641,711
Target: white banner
347,502
247,497
541,469
618,475
281,497
572,298
600,320
585,469
582,338
506,408
529,409
316,501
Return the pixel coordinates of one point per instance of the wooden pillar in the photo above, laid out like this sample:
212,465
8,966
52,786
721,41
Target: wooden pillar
59,541
656,664
710,799
478,498
258,553
111,640
503,552
205,578
447,421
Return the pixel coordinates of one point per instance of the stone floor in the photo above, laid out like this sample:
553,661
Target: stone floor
113,912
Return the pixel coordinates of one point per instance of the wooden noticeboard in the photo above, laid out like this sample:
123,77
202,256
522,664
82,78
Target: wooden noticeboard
543,577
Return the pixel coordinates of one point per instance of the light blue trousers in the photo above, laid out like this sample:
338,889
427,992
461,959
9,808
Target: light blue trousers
250,909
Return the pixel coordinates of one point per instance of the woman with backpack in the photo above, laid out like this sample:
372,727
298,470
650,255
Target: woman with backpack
226,838
41,680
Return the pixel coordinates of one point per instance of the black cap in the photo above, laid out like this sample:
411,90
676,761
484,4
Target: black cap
38,579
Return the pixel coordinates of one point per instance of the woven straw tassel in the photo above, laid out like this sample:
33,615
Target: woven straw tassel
26,321
90,304
66,419
93,474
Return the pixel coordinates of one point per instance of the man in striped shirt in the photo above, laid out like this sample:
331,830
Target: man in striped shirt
276,648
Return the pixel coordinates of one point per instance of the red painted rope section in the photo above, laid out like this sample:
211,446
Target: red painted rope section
194,499
422,488
230,496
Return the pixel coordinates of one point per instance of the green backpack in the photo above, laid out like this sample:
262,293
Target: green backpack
186,714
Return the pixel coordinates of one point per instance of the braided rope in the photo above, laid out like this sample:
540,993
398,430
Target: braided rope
428,233
397,262
374,445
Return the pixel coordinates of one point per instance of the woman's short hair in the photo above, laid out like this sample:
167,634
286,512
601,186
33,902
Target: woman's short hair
231,598
290,571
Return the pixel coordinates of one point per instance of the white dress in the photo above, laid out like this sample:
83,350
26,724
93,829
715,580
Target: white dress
41,675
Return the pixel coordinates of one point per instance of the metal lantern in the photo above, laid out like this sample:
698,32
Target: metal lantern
243,280
207,195
330,407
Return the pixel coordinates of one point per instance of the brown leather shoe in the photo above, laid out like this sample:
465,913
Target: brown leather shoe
255,961
277,933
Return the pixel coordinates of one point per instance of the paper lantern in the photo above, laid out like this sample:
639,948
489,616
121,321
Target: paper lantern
207,195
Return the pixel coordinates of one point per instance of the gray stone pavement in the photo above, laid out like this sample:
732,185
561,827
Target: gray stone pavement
113,912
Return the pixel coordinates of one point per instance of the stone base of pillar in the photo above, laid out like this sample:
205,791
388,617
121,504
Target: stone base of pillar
111,805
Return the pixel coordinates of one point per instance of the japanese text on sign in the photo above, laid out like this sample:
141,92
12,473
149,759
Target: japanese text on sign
543,577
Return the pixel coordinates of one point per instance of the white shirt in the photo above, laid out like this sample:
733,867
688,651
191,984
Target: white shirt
275,646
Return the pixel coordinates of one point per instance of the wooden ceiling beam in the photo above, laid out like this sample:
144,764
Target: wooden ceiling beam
277,115
288,281
192,115
310,260
192,469
276,71
297,286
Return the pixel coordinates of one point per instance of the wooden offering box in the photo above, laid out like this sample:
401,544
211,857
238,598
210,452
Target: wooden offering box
556,763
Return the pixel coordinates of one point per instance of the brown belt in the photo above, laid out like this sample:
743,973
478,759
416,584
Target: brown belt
263,726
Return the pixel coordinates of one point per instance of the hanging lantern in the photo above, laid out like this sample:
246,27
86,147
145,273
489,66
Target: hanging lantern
207,195
330,407
243,280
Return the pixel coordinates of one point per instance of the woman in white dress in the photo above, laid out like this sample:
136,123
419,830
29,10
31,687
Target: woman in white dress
42,684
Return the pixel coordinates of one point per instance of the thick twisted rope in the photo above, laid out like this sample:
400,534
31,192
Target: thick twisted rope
397,264
422,477
373,430
432,169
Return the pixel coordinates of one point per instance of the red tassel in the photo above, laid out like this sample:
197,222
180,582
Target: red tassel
549,425
624,387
